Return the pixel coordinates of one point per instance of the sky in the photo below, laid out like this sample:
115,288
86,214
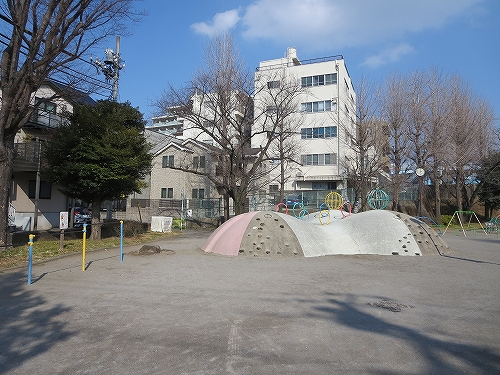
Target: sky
376,39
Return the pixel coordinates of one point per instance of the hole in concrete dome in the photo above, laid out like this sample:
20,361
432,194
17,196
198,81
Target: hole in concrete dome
241,251
268,252
275,219
267,216
278,252
417,253
406,250
255,243
258,247
287,244
282,226
268,237
395,253
404,246
257,218
419,241
262,224
260,228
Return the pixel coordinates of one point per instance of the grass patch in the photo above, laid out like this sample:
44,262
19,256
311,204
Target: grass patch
46,248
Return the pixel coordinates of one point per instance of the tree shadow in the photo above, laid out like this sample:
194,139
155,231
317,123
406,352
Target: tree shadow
28,328
441,356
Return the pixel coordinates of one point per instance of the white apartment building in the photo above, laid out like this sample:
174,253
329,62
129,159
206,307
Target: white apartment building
325,114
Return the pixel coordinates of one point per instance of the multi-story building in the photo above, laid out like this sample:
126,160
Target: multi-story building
37,202
324,117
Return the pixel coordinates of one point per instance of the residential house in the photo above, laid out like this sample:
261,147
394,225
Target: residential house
37,202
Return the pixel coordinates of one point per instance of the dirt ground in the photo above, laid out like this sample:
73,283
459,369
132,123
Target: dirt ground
183,311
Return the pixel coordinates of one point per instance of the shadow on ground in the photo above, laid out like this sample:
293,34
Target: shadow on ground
27,327
440,356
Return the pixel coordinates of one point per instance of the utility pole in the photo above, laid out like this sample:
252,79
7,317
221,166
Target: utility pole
111,67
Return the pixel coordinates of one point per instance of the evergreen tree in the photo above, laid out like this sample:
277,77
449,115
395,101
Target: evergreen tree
100,154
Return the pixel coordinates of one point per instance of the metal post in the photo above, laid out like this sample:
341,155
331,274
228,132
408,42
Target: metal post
37,186
84,245
30,257
121,240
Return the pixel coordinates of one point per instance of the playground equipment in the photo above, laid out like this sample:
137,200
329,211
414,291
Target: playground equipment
334,200
264,233
377,199
493,225
471,215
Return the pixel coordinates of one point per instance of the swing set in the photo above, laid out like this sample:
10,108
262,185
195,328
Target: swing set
471,215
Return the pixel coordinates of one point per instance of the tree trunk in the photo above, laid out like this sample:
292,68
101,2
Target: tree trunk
239,203
6,160
96,221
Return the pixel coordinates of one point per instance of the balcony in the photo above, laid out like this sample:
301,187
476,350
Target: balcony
41,119
26,156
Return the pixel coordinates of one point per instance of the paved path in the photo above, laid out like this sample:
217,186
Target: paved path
191,312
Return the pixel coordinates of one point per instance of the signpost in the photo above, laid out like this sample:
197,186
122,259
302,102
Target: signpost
63,224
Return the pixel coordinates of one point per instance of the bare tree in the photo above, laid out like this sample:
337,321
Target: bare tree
367,141
394,113
471,139
438,133
217,105
418,129
45,39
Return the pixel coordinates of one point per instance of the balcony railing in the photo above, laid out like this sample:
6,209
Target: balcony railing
45,119
27,156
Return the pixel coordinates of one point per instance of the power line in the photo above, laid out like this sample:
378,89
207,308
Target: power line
69,71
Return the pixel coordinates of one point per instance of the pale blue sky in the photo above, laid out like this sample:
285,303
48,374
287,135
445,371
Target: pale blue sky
375,38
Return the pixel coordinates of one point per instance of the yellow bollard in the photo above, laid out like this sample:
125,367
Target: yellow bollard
84,244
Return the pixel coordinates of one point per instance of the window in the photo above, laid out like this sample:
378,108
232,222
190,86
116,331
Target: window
167,161
45,106
273,84
318,132
321,132
198,194
319,80
167,192
273,188
331,79
271,109
198,162
307,81
321,106
319,159
45,190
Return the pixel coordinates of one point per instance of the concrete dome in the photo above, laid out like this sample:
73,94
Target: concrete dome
267,233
